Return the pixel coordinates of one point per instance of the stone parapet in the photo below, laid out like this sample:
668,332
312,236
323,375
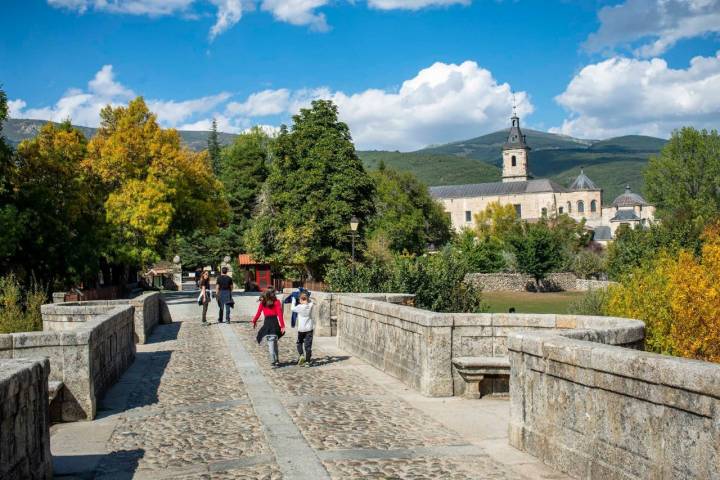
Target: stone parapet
594,410
24,423
87,359
68,315
417,346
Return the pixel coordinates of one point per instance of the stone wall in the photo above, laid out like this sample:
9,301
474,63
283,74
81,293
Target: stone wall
417,346
325,311
67,316
87,359
24,423
597,411
518,282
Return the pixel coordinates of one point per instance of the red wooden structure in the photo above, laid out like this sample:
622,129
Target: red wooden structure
255,273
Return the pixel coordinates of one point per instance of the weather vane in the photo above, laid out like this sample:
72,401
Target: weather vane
514,105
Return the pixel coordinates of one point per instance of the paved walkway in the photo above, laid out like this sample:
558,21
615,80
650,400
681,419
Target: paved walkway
202,402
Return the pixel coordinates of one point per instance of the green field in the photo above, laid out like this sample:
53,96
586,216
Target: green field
530,302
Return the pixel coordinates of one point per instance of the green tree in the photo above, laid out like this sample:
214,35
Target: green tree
683,182
406,217
538,250
11,223
60,206
214,148
155,189
315,185
483,254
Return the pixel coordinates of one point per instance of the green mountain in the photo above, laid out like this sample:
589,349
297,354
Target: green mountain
16,130
434,169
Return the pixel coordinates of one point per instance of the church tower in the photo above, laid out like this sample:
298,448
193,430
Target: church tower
515,154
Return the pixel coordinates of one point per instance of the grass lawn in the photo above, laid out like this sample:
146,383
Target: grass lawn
530,302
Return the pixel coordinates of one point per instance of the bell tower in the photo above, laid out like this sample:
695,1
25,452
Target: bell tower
515,153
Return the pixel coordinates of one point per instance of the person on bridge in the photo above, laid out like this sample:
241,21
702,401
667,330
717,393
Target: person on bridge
305,328
224,295
205,295
273,325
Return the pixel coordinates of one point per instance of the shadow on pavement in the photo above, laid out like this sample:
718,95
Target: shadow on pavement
116,465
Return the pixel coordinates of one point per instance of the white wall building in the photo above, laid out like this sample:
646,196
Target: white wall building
536,198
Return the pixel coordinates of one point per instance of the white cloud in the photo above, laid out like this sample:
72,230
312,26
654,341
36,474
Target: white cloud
413,4
297,12
264,103
170,112
622,96
656,25
228,14
83,107
131,7
441,103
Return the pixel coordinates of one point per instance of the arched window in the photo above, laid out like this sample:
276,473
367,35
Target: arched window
569,207
581,206
513,160
593,206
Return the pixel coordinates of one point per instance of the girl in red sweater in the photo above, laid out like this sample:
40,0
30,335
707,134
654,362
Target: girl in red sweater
273,326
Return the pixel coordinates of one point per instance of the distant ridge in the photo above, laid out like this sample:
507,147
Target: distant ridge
18,129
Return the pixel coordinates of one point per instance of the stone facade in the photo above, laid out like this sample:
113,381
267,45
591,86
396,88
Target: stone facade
66,316
518,282
417,346
87,359
24,423
597,411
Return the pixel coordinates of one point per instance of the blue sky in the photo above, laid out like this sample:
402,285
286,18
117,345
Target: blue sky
405,73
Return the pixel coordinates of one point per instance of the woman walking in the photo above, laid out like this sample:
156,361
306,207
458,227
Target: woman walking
273,325
205,295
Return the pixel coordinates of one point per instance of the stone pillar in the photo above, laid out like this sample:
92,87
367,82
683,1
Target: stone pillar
177,272
58,297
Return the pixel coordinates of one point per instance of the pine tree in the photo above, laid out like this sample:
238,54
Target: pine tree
214,148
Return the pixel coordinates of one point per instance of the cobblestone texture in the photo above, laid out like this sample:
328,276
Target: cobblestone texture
423,468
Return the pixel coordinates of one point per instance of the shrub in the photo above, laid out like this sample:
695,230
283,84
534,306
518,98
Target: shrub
592,303
588,264
20,311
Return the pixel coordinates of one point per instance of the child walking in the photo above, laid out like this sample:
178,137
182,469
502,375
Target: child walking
273,325
305,329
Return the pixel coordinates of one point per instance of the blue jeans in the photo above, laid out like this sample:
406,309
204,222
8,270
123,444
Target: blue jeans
227,312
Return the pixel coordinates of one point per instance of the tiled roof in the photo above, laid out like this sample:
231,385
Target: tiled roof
246,259
583,182
629,199
496,188
624,215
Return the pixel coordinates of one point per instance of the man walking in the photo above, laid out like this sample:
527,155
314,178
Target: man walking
223,292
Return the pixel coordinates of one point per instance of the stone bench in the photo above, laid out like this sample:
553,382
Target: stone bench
474,369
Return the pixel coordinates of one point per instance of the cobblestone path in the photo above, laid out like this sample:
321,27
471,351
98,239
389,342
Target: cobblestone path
203,402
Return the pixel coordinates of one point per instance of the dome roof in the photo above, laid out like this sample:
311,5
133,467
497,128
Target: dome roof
583,182
629,199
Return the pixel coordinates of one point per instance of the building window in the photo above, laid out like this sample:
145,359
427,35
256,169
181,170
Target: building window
513,160
560,210
569,207
544,212
518,210
593,206
468,216
581,206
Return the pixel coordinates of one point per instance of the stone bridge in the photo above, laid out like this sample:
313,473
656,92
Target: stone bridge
203,402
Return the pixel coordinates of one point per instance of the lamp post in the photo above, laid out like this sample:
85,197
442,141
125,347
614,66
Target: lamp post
354,223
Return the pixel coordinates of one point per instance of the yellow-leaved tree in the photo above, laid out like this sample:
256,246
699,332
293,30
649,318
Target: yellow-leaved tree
678,298
495,221
155,188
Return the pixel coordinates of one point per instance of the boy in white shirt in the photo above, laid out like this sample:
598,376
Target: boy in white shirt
305,329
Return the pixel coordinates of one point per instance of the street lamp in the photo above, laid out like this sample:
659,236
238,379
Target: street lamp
354,224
